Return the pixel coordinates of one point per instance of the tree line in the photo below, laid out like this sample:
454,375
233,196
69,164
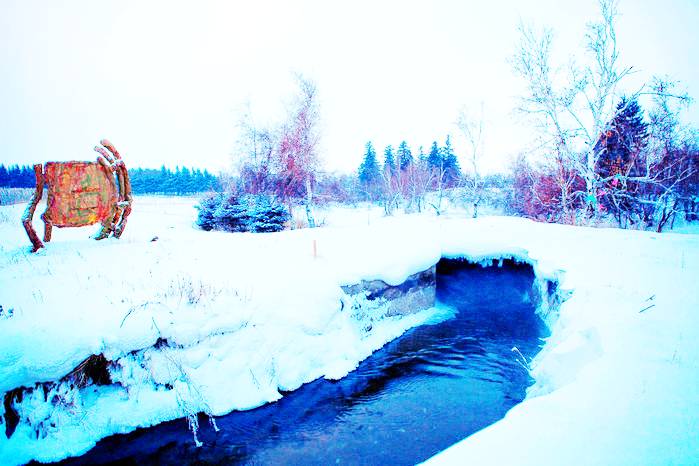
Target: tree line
405,179
179,181
17,176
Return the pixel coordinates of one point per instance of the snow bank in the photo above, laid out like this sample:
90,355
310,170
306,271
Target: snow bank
618,380
208,321
191,321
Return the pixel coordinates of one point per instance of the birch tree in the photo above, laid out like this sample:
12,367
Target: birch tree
573,112
472,129
297,153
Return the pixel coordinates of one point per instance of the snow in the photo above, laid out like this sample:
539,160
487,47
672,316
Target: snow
246,317
618,381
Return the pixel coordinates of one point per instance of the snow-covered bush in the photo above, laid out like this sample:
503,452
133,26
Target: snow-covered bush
237,213
205,218
231,214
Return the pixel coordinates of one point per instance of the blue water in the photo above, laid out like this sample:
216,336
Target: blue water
415,397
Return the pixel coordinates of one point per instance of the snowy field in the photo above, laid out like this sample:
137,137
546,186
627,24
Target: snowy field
211,322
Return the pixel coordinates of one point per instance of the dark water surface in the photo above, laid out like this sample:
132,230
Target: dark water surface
415,397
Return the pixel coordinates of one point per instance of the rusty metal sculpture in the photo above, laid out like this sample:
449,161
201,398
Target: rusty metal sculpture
82,193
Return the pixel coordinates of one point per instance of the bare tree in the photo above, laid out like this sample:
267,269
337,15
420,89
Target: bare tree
297,152
392,189
472,129
571,117
254,155
668,158
437,182
419,178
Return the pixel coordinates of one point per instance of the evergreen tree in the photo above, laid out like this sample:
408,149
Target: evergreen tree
389,164
452,170
164,184
206,208
621,156
623,141
184,182
210,182
164,181
4,177
258,213
405,155
13,177
369,173
434,159
29,177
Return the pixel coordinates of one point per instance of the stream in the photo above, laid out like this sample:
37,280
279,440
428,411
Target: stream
419,394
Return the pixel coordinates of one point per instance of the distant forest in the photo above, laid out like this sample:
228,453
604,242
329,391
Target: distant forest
181,181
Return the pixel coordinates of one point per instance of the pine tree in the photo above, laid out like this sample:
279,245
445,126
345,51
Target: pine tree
389,164
621,154
184,181
405,155
452,170
13,176
369,173
206,208
434,159
623,141
4,177
259,213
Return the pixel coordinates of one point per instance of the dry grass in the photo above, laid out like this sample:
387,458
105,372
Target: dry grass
93,370
9,196
187,290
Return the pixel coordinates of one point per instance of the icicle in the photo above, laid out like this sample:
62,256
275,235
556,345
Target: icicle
194,427
212,421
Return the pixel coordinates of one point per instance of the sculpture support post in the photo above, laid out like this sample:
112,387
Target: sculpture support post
29,213
127,198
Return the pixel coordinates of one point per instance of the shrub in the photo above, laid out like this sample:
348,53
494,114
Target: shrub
206,207
254,213
231,214
266,215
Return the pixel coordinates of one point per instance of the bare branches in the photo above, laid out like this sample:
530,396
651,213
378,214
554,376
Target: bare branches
472,130
575,114
283,160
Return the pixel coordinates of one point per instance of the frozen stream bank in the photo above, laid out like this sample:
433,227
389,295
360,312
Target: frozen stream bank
424,391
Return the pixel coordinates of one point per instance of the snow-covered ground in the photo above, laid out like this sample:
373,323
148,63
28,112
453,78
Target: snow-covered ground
210,321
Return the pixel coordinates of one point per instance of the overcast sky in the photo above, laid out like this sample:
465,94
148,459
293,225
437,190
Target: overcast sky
165,81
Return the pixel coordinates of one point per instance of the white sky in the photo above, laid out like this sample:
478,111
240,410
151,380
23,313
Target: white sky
165,80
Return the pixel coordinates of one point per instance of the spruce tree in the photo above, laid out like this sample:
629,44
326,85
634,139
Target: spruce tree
627,131
620,146
434,159
14,179
4,177
405,155
620,149
369,173
389,164
451,163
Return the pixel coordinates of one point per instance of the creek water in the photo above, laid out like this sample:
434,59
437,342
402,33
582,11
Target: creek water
421,393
